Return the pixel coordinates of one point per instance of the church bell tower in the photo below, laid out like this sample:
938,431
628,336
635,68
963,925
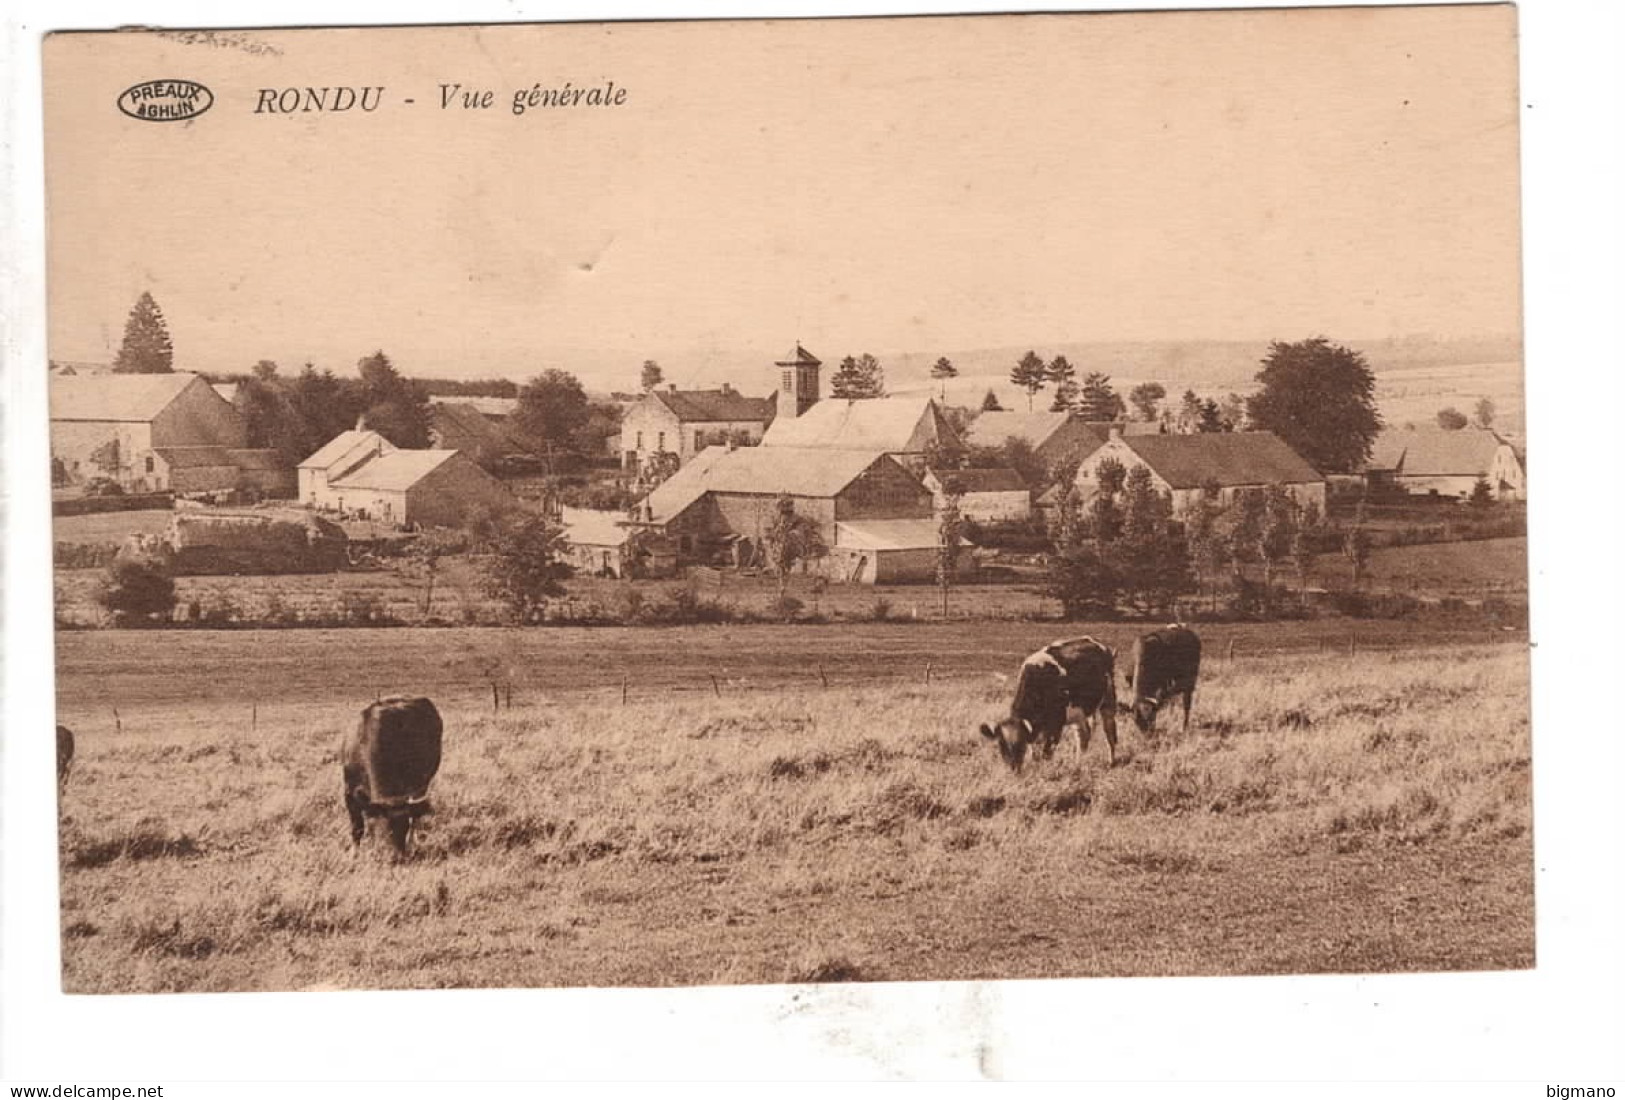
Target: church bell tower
798,379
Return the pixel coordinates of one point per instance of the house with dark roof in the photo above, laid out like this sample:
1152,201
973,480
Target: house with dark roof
986,496
722,503
147,432
682,423
1437,462
1215,465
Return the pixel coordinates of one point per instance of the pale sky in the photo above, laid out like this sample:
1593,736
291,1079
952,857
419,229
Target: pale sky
895,185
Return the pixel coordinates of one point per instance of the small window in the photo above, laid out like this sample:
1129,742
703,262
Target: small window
640,441
149,464
660,445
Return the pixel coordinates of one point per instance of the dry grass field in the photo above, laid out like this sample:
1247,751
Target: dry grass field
1324,813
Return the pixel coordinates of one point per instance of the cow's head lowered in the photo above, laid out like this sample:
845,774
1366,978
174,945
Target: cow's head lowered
1011,736
1144,711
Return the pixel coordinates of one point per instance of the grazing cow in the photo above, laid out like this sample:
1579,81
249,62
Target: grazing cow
389,762
1078,674
64,754
1164,665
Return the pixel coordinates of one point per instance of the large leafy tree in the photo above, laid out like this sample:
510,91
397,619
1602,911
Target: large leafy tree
147,348
1030,374
1320,398
552,410
396,409
858,378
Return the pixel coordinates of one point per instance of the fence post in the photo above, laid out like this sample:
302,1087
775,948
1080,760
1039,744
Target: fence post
928,674
1230,651
715,688
118,723
623,689
254,717
821,675
507,695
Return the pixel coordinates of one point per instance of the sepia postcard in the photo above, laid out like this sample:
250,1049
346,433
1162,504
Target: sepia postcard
789,502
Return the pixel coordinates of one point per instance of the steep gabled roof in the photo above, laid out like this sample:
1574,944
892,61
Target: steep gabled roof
1229,458
699,406
396,470
127,398
894,425
342,446
799,472
1435,452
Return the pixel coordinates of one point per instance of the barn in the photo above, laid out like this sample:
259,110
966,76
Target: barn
1441,463
1187,467
340,455
908,429
418,489
724,497
143,431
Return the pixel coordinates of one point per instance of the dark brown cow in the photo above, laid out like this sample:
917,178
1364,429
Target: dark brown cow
388,764
1165,664
1076,674
64,754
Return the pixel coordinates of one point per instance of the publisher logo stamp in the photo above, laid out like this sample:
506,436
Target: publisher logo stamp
165,100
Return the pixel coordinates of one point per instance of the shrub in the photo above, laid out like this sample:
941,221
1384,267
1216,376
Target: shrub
137,592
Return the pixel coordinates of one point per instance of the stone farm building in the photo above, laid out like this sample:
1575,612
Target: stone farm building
685,422
361,474
1437,462
1055,437
986,496
908,429
154,433
1184,465
719,507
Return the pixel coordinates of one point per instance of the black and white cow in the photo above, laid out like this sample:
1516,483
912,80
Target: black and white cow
388,764
1165,663
1076,674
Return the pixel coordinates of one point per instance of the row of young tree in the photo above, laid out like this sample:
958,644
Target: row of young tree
1125,550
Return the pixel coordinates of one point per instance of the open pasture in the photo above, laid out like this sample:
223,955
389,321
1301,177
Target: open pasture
1322,814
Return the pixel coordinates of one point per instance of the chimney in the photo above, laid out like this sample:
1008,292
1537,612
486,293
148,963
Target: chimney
726,388
1115,430
671,387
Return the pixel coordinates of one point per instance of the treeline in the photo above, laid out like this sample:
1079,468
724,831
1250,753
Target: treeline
296,414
